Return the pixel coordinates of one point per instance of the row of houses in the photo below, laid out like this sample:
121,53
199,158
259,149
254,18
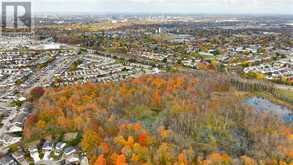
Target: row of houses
12,123
277,69
152,55
57,153
95,68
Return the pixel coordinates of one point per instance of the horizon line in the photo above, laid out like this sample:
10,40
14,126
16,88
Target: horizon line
163,13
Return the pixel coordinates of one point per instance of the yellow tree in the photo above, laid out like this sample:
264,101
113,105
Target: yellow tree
181,160
121,160
90,141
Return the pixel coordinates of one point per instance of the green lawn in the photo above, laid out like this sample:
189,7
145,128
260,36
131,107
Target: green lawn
286,93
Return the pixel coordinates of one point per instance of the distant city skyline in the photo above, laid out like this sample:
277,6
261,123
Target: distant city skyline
166,6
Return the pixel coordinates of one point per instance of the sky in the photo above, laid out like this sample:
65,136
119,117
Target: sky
166,6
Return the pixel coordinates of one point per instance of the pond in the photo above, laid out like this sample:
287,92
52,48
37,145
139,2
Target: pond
264,105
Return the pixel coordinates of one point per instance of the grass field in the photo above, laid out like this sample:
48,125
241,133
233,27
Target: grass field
286,93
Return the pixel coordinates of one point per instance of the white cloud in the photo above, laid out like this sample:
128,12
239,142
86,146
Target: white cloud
213,6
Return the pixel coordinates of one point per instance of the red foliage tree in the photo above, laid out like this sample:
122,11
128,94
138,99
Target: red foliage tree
37,92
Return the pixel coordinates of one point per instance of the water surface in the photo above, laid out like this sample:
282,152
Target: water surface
264,105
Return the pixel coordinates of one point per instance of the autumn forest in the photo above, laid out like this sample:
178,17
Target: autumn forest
165,119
